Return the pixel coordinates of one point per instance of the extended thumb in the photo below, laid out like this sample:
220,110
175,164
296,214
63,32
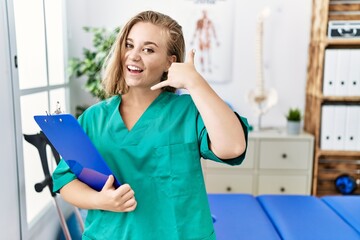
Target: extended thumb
109,182
190,56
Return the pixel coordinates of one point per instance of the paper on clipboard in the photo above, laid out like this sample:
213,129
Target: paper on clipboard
76,148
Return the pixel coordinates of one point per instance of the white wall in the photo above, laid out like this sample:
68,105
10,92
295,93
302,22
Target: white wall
13,222
286,39
9,201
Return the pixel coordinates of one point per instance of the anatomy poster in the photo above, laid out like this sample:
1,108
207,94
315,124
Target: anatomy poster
208,28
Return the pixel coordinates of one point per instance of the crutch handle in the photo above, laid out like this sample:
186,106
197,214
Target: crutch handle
41,185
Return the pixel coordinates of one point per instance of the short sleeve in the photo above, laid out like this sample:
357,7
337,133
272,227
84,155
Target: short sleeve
205,151
62,176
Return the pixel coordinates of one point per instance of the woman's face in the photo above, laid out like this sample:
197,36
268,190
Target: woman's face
145,55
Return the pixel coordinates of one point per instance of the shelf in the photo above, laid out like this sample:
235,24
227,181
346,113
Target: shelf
333,153
340,6
352,99
342,42
346,17
339,161
335,99
341,10
328,164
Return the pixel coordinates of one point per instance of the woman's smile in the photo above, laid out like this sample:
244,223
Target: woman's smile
134,69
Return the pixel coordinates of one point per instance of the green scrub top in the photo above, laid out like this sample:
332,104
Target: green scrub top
160,159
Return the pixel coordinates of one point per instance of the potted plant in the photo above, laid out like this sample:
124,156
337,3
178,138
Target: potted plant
90,64
293,121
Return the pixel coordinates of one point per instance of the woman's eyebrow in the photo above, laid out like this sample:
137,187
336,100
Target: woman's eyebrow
145,43
150,43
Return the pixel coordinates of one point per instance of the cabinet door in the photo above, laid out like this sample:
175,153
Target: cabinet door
229,183
280,184
284,154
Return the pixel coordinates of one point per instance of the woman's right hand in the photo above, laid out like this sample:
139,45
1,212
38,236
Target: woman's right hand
121,199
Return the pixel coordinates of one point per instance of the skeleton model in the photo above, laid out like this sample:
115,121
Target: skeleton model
261,99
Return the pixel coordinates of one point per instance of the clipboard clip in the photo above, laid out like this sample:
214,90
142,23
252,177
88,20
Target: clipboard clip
57,110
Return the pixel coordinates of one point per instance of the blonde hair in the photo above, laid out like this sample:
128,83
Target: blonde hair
113,75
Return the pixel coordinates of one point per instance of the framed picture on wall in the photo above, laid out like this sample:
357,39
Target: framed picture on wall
208,28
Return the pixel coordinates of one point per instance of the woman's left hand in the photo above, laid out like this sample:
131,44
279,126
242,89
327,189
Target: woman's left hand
181,75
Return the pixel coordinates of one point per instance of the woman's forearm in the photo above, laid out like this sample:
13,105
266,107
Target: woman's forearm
80,195
227,139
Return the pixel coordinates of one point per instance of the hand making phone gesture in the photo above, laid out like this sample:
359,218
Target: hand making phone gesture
182,75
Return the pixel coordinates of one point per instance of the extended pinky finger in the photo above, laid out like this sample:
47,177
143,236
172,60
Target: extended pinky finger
159,85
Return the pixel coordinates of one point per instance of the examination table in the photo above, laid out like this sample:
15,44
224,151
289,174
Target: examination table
288,217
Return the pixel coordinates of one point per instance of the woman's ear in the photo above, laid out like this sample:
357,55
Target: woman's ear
171,59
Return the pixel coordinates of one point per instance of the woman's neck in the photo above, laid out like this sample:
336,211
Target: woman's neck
137,98
133,105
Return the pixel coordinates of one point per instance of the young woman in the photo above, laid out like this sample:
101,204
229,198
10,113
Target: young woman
153,139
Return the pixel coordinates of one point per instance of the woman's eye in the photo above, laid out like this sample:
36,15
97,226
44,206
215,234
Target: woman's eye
148,50
128,45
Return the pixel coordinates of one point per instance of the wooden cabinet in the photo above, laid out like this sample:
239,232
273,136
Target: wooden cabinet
328,164
275,163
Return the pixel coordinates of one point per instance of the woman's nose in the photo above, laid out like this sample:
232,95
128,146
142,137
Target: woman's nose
134,55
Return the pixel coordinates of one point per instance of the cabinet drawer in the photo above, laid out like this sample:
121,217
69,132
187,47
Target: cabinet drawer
248,162
284,154
229,183
278,184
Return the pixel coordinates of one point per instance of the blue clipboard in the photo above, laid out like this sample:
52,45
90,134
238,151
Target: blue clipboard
76,148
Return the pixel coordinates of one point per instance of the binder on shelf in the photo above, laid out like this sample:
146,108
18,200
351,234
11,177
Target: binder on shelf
351,128
330,65
327,127
353,88
339,127
342,72
358,129
76,148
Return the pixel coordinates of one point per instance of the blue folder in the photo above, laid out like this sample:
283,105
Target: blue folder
76,148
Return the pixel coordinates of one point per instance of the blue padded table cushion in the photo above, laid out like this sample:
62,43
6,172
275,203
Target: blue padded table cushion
347,207
298,217
239,216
